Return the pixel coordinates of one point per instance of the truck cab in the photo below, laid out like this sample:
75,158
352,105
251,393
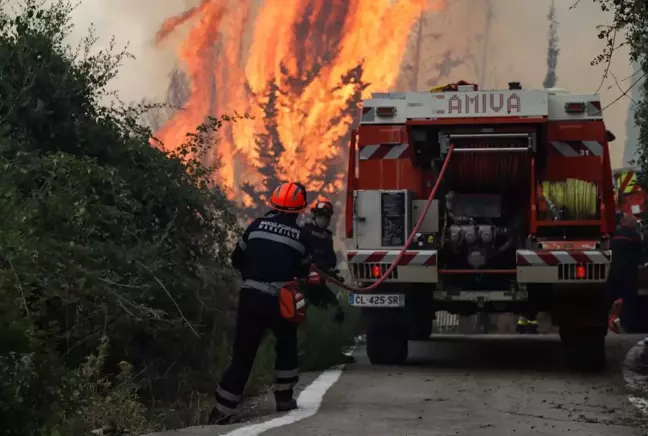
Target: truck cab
488,201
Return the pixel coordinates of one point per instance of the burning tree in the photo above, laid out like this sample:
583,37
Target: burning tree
553,50
270,147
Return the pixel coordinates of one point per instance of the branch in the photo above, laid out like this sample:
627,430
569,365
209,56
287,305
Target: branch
609,62
159,282
624,94
616,81
121,285
574,5
20,288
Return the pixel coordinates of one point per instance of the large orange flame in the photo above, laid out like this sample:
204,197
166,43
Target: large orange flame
234,49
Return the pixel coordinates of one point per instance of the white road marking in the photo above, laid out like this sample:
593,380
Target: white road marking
309,401
629,376
639,403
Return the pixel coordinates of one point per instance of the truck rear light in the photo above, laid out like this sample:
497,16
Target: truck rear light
386,111
590,271
596,104
371,271
365,110
575,107
581,272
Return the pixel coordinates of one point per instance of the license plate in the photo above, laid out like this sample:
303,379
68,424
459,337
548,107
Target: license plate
381,300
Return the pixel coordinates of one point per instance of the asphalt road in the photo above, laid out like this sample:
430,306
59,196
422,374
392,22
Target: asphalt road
476,386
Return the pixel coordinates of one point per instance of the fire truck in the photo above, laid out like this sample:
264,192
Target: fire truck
466,200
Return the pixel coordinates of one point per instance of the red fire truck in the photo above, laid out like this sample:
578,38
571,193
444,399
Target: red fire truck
467,201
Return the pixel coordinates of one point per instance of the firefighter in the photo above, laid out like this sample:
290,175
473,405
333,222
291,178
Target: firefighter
624,273
323,252
273,250
323,257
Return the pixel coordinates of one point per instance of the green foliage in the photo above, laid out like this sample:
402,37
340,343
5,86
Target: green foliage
116,293
630,28
102,235
322,339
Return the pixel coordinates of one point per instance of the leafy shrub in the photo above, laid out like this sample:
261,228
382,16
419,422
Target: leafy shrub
322,340
102,235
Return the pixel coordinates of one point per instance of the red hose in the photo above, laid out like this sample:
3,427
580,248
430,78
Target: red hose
415,230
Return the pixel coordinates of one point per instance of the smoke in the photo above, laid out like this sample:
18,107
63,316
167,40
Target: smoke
512,46
132,24
632,144
516,50
552,52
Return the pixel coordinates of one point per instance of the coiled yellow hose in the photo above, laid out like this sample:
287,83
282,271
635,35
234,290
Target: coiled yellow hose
577,196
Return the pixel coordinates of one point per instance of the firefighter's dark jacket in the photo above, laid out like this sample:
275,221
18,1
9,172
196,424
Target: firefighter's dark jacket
626,257
273,249
323,253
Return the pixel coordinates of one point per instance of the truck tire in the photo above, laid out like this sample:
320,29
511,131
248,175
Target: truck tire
584,348
387,344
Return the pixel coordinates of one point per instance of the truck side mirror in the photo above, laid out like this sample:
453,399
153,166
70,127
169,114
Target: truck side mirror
609,136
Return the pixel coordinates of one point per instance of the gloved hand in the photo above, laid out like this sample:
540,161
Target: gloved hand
339,315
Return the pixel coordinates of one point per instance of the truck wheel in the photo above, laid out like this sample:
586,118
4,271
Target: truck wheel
387,344
584,348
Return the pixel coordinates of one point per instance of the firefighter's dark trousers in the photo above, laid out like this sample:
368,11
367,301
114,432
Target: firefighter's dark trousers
257,313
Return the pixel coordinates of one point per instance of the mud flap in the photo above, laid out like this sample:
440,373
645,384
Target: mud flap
581,307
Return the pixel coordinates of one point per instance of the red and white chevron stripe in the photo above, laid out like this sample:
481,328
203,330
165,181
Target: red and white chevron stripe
578,148
554,258
383,151
423,257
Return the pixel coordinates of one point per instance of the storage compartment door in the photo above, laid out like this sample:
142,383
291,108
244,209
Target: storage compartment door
382,219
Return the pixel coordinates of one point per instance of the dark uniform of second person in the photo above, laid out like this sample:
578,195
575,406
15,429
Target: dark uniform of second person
273,250
624,273
324,258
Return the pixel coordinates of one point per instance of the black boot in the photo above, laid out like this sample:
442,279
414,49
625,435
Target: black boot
286,405
285,401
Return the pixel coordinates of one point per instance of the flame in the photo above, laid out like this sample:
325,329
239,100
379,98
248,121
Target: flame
235,49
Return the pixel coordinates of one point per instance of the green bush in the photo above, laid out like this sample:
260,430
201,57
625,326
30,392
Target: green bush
102,235
116,293
322,340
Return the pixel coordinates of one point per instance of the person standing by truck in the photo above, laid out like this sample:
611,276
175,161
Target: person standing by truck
272,252
324,258
624,273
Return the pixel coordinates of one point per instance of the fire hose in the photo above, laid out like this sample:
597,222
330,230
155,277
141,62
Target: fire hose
577,196
396,261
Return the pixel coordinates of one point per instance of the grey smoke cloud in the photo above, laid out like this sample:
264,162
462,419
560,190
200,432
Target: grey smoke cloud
516,51
132,22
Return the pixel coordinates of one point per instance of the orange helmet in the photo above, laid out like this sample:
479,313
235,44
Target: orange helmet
323,207
289,197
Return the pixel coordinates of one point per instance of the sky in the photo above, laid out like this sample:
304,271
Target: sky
516,50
